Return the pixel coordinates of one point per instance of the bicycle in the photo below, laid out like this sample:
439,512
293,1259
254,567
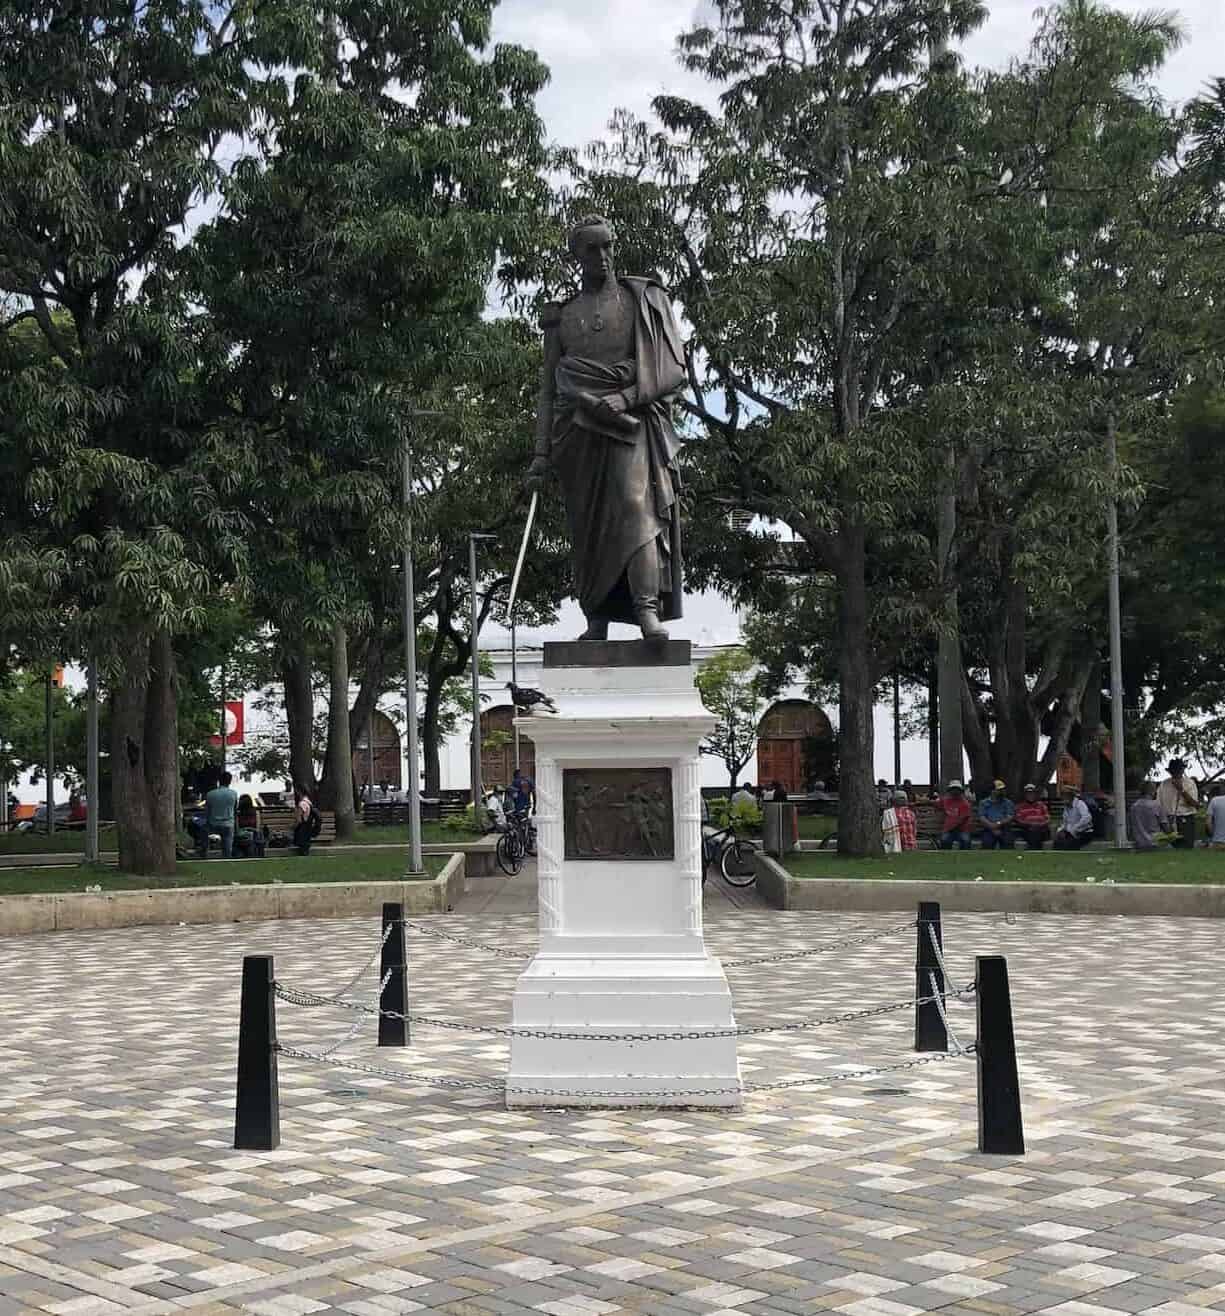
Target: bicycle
734,854
516,842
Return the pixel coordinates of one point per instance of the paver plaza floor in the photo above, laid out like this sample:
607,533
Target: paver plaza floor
119,1190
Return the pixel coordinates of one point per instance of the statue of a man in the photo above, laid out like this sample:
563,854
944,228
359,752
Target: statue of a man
612,360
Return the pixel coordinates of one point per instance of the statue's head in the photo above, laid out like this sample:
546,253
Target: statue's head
591,245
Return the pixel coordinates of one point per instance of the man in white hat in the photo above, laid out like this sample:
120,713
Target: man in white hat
957,817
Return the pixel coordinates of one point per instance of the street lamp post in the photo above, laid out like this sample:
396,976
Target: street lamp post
1118,776
474,622
415,863
91,766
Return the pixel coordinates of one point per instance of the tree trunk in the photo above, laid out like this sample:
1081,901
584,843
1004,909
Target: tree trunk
144,758
859,831
339,771
977,736
429,733
300,714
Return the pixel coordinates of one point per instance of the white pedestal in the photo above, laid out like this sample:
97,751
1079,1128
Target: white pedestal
621,945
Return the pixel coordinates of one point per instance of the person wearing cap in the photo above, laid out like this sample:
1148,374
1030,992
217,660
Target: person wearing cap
1033,819
956,817
1178,800
996,814
1076,829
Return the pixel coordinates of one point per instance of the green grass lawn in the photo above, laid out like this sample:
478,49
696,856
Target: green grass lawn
432,833
1173,866
816,827
73,842
63,842
318,866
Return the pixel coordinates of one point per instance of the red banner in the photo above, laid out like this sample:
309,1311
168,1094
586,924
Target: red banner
233,724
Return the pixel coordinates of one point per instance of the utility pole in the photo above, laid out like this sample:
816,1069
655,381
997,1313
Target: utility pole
50,752
1116,646
897,729
415,863
223,735
91,765
948,659
474,622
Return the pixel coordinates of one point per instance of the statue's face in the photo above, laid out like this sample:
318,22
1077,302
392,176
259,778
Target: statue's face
593,249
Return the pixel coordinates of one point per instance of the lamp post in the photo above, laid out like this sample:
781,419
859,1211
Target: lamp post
1118,777
474,622
415,862
91,766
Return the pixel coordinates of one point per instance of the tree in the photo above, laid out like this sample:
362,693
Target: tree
811,228
391,186
113,119
730,689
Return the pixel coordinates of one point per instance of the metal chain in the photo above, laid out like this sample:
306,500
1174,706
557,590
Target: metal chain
338,997
939,952
491,1085
819,950
464,941
359,1023
938,997
296,996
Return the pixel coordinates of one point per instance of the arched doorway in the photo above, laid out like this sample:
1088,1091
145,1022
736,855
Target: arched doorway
790,738
387,760
498,748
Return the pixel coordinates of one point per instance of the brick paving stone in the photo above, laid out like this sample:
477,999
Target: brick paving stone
119,1189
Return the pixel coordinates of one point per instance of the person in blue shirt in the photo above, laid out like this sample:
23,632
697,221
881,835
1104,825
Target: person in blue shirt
522,789
996,813
219,807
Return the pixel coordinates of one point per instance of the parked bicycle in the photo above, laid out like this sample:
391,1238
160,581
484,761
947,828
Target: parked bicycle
516,841
732,854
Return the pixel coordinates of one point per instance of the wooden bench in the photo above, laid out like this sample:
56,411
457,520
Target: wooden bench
281,818
929,825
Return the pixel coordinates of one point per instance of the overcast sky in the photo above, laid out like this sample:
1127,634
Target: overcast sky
621,54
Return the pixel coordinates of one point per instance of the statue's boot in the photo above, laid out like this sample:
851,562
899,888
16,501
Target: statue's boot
596,632
647,618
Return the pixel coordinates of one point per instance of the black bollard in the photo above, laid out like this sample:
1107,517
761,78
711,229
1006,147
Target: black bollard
394,996
999,1089
930,1033
257,1107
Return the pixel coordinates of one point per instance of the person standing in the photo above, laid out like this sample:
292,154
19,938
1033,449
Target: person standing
1216,818
1178,799
1076,830
1033,819
745,795
890,832
956,817
304,821
996,813
219,807
1145,821
907,823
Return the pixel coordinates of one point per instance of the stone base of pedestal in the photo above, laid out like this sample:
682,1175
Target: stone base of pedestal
619,813
623,995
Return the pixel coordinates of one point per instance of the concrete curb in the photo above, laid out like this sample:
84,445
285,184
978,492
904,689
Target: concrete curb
78,911
872,895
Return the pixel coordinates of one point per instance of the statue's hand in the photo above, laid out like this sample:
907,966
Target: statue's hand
536,474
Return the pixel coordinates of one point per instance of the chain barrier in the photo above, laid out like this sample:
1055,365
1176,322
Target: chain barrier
500,1085
295,996
938,997
944,967
500,951
337,998
783,956
503,953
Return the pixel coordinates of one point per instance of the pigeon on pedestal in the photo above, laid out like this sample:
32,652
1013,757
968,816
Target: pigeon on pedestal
526,701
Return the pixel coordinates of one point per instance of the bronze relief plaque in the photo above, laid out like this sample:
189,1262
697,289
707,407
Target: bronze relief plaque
618,813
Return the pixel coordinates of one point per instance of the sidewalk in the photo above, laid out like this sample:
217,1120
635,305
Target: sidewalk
501,895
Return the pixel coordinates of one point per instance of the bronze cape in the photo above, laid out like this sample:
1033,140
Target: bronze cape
621,489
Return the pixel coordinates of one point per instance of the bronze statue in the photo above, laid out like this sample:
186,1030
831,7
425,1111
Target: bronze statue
612,360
